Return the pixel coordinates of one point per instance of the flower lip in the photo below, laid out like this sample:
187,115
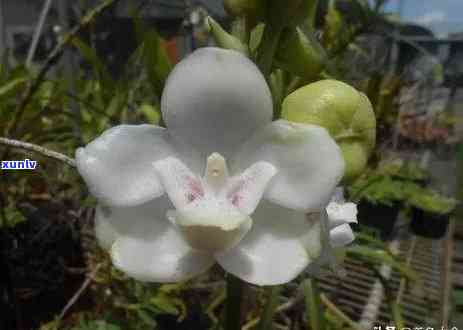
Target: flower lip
212,212
211,224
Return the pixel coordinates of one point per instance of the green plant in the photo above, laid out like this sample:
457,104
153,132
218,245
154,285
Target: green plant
377,188
404,170
391,181
428,200
95,325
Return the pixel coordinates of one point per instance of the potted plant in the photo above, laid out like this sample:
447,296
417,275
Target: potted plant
406,171
379,198
412,172
430,211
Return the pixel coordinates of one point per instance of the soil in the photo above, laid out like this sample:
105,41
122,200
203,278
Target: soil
44,265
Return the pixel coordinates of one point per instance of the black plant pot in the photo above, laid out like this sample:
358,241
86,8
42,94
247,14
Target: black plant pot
378,216
430,225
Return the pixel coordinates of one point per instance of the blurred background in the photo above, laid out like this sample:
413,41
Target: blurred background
71,69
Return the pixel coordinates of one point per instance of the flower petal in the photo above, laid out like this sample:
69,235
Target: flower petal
149,248
215,99
180,183
341,236
341,213
117,166
112,222
308,161
273,251
245,190
326,255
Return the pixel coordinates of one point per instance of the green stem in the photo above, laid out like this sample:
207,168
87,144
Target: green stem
233,303
313,304
266,320
268,47
338,313
396,314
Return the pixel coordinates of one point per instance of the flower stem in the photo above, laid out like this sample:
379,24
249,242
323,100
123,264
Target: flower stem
313,304
233,303
272,302
38,149
268,47
340,314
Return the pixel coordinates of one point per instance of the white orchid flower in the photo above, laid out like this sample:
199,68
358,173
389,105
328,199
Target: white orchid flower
340,214
337,217
223,183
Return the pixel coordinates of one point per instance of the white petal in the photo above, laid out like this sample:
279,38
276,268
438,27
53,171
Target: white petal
246,190
273,251
110,223
328,252
215,99
180,183
308,161
341,213
151,249
341,236
117,166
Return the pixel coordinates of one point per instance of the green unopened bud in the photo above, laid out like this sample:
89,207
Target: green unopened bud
300,53
224,39
346,113
249,8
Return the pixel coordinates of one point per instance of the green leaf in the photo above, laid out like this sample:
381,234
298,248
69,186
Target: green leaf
91,56
165,304
152,113
146,317
382,256
157,63
12,85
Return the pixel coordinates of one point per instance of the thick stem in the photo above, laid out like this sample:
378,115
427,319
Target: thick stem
38,149
268,47
233,303
266,320
314,305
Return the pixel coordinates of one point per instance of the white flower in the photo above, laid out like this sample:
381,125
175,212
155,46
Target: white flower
222,184
335,219
340,215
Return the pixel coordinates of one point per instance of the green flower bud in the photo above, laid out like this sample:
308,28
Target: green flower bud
346,113
224,39
300,54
